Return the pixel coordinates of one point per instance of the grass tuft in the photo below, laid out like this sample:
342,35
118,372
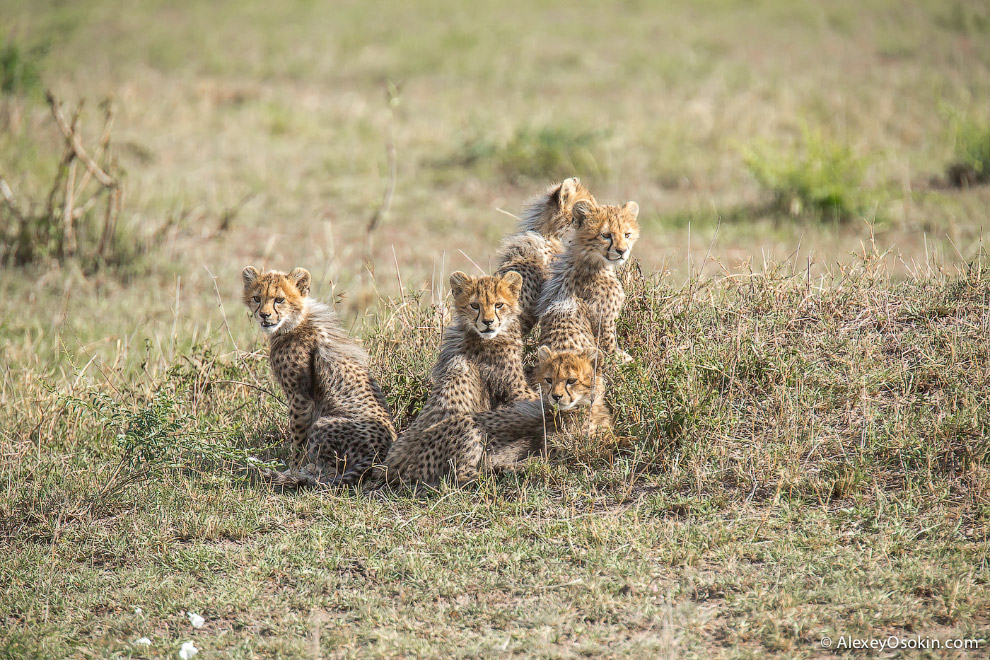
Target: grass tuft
972,154
20,69
78,220
537,153
821,179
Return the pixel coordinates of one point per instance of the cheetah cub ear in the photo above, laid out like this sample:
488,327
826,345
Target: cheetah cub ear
543,353
302,279
581,212
514,281
249,275
590,354
631,209
458,282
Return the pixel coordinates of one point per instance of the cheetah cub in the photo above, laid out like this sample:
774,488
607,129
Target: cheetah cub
479,368
466,444
338,417
573,389
480,363
583,293
546,219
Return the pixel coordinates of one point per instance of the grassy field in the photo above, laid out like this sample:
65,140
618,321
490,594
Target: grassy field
801,447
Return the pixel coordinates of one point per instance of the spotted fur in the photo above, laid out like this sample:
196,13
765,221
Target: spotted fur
546,219
479,368
480,362
583,293
463,445
338,416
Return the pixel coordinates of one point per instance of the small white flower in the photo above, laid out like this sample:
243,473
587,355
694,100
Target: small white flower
139,611
142,641
188,650
196,620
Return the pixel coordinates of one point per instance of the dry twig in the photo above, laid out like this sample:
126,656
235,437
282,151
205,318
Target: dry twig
75,142
52,230
9,201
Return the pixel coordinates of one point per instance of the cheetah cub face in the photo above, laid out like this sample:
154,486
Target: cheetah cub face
276,300
607,231
487,304
567,378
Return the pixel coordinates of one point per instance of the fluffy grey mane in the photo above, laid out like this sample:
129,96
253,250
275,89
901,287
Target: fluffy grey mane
536,208
342,346
556,289
524,245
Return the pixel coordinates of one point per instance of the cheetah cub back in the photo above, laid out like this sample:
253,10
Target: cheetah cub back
338,416
538,240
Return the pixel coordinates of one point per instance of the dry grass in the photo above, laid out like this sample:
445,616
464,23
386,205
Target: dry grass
826,437
802,440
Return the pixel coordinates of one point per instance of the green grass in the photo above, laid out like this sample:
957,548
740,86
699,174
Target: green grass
822,179
542,153
801,445
827,438
973,150
287,102
20,68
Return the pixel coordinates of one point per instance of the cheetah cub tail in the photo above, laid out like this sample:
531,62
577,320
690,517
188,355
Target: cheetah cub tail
309,476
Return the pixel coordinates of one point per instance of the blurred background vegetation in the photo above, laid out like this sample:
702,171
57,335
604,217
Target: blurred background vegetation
257,132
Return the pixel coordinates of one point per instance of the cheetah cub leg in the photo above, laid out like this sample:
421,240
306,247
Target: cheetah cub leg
468,451
610,343
347,448
302,412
